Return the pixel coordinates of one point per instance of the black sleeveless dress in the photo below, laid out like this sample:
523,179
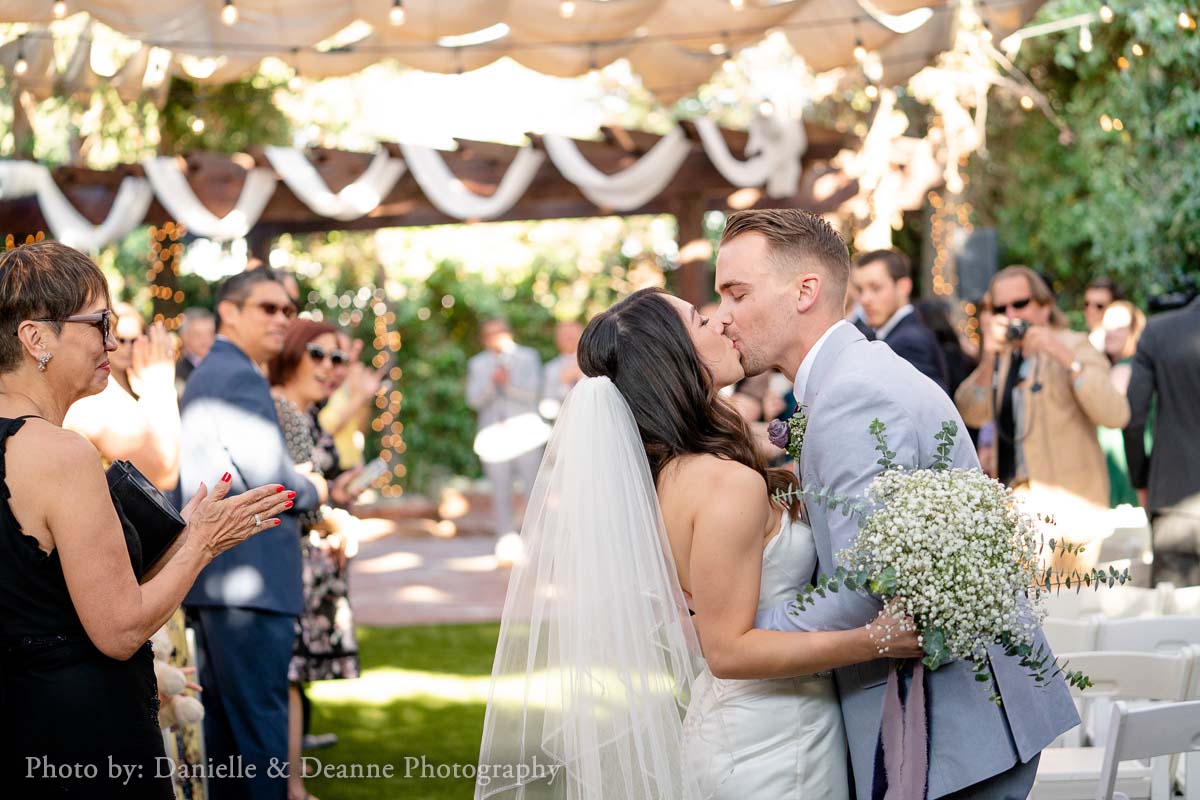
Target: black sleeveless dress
74,723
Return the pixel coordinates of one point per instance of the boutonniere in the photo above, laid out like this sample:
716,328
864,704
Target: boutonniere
789,435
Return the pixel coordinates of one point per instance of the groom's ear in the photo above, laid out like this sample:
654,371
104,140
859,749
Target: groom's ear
807,291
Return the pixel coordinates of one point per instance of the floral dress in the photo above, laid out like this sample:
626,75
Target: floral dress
326,648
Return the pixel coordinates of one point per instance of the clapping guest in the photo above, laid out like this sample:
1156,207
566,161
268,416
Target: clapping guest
562,372
78,600
136,417
243,607
302,375
502,387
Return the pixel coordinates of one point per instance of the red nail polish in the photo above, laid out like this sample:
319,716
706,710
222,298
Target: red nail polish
278,489
288,504
226,477
291,495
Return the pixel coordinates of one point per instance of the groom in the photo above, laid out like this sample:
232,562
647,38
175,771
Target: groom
782,279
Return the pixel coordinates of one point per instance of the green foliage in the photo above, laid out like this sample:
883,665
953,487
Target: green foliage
1119,201
236,116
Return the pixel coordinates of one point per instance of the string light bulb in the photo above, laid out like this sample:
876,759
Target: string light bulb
1026,102
1187,21
198,125
22,66
566,9
872,91
1137,50
1085,39
737,5
229,13
60,9
396,15
1106,13
860,52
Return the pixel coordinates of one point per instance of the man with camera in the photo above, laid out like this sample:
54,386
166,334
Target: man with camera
1047,389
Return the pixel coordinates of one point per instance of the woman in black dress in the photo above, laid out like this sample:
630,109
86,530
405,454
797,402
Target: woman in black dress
78,699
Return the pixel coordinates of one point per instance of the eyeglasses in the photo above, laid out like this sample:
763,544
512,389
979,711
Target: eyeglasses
271,309
126,340
101,320
1016,305
318,353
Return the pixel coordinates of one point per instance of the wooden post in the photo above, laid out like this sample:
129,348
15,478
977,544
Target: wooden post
693,281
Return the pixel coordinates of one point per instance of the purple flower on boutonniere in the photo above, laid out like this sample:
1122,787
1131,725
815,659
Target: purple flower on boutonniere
778,433
789,435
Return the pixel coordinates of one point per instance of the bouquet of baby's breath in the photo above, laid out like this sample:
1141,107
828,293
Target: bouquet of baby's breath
950,549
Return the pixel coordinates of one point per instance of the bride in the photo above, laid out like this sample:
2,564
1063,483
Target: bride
651,499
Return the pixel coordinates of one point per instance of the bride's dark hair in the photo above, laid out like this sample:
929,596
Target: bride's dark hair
642,346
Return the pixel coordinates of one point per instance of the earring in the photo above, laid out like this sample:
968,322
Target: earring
44,359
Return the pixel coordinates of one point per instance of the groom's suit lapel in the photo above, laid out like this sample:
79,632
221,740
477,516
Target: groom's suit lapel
823,367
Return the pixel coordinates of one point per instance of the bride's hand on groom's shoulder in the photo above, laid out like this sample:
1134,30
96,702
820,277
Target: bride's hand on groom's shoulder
895,637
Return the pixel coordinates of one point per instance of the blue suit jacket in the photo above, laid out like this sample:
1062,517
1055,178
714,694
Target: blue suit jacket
917,345
229,425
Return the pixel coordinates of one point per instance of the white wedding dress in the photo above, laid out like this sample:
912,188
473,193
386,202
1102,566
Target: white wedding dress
785,735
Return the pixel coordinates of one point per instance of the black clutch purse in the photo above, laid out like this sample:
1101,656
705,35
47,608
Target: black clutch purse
156,521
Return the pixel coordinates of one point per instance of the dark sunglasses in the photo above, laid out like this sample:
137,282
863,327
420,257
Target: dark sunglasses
271,309
1015,304
318,353
101,320
1095,305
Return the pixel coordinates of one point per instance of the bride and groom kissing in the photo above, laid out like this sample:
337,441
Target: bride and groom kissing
651,642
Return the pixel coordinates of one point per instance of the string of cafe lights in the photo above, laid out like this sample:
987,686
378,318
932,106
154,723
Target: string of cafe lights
163,275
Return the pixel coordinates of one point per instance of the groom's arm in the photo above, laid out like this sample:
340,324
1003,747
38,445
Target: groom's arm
845,460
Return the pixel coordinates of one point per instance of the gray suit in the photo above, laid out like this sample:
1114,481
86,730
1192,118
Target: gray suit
972,741
495,404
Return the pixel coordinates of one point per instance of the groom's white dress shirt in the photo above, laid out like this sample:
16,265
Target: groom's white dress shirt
806,365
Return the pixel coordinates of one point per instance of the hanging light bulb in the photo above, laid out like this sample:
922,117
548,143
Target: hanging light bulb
737,5
860,52
1026,102
60,9
872,91
22,66
229,13
1085,39
396,15
566,9
1137,50
198,125
1106,13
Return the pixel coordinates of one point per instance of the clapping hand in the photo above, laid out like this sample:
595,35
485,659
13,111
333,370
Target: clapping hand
216,522
152,370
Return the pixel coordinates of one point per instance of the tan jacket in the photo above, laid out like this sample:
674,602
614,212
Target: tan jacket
1061,451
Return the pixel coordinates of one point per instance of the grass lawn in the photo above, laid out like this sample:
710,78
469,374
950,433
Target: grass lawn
422,694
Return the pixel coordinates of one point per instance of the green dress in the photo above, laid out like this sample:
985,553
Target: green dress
1112,442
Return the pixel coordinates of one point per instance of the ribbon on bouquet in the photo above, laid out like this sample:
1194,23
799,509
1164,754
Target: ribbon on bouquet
903,739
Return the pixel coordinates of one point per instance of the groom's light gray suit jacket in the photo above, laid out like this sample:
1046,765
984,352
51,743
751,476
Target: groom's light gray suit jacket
852,382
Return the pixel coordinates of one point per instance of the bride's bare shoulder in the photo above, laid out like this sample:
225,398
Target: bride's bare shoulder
705,478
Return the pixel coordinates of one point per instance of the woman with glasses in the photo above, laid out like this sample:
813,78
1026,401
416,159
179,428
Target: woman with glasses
136,417
78,698
305,373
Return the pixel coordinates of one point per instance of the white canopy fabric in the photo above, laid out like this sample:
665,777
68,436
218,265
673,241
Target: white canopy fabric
452,197
172,189
357,199
675,45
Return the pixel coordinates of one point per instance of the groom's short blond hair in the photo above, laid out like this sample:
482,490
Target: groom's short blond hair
797,240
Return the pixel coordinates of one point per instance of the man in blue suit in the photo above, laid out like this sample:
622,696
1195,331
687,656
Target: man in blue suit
884,282
244,604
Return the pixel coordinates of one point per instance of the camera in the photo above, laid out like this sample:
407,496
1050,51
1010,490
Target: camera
1015,331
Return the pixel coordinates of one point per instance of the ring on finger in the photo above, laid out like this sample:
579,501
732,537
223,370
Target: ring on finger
257,521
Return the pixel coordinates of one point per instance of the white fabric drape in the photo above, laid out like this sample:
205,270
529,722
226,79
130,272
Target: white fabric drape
630,188
67,225
356,200
779,144
451,197
597,653
172,189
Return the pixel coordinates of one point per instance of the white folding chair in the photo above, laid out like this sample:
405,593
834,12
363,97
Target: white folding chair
1148,634
1158,734
1119,602
1071,635
1071,773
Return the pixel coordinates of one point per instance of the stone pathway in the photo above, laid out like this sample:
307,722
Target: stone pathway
406,574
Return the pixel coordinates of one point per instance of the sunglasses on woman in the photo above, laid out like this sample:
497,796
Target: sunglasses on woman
318,353
100,319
